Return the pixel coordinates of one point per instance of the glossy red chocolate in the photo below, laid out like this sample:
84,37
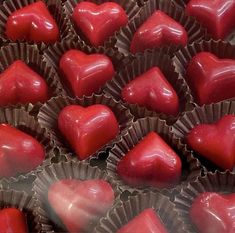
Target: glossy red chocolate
85,74
147,222
214,213
19,152
210,78
216,142
99,22
32,23
153,91
217,16
87,129
151,162
158,30
12,221
20,84
78,203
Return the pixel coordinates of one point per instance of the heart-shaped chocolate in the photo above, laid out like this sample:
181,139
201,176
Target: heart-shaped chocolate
79,203
214,213
87,129
153,91
99,22
216,142
158,30
217,15
147,221
20,84
210,78
12,220
32,23
19,152
84,74
151,162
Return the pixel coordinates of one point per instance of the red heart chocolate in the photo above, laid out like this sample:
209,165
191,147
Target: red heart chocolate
79,203
217,15
214,213
147,221
153,91
99,22
85,74
216,142
32,23
210,78
158,30
19,152
20,84
87,129
12,221
150,162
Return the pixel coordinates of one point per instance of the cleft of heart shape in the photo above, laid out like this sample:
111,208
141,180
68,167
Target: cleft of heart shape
32,23
85,74
151,162
19,152
20,84
79,203
211,79
217,16
99,22
215,142
213,212
87,129
147,221
12,220
153,91
158,30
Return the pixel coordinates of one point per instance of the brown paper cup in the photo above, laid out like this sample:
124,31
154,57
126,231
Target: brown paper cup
131,8
206,114
19,200
49,112
31,56
220,182
47,221
220,48
126,211
181,3
54,6
123,38
20,119
54,53
140,65
191,168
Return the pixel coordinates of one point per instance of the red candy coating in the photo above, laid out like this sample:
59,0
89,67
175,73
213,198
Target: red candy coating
99,22
150,162
78,203
33,23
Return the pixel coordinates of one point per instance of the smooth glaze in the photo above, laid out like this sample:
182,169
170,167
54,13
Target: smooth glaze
78,203
216,142
12,220
151,162
210,78
32,23
158,30
85,74
153,91
217,16
87,129
99,22
19,152
146,222
20,84
214,213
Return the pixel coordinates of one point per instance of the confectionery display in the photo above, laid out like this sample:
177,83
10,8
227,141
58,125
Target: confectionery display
117,116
